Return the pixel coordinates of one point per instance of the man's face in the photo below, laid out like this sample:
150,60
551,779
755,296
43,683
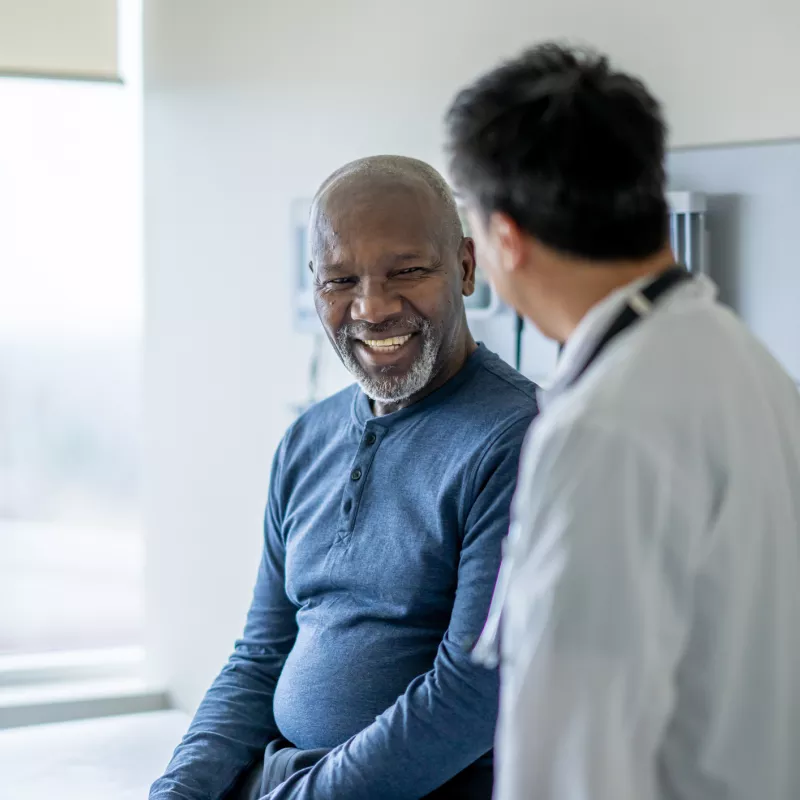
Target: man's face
509,258
388,285
491,254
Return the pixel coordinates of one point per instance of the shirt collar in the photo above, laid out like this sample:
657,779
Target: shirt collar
595,323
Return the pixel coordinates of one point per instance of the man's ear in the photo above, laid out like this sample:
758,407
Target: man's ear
507,241
468,264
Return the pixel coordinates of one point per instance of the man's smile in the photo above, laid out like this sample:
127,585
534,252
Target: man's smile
382,352
389,345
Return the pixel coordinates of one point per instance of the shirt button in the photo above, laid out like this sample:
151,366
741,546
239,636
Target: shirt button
355,475
348,504
370,439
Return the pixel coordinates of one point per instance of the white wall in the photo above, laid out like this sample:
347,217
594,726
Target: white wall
249,104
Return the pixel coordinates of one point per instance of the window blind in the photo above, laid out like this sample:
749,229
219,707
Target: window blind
70,39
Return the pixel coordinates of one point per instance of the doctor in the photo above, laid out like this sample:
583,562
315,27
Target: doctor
650,592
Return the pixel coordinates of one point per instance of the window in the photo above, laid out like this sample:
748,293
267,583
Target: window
71,545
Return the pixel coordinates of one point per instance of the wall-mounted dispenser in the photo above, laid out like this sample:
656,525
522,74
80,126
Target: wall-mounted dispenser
687,230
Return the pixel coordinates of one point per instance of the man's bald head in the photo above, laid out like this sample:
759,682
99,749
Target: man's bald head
377,175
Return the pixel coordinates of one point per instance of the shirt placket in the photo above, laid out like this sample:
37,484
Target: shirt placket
356,479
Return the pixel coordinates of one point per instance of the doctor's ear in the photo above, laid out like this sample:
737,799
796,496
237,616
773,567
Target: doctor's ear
507,240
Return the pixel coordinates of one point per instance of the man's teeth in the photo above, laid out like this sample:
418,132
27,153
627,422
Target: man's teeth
387,345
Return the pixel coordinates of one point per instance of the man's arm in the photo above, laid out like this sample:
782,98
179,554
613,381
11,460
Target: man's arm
594,618
446,718
235,721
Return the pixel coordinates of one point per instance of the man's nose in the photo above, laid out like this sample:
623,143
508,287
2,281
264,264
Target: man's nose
375,302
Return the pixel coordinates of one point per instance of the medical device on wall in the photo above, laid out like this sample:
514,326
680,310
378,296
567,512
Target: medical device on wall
303,312
687,230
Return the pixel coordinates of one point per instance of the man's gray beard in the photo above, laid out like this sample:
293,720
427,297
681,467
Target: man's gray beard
394,388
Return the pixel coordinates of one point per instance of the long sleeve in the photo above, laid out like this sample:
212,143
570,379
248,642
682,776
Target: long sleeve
235,719
446,718
594,620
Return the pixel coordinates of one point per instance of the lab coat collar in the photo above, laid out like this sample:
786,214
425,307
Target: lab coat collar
595,323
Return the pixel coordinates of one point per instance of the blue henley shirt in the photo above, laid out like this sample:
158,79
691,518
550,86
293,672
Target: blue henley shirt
382,546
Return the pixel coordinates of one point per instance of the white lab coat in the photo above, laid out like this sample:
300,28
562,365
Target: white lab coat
651,611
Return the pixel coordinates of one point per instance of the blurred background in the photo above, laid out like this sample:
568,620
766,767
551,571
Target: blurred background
156,159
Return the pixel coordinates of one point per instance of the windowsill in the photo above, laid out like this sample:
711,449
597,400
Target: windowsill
56,687
78,665
60,702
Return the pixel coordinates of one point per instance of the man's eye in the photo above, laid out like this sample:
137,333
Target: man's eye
340,281
410,271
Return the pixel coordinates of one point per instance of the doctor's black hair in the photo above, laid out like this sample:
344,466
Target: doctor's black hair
570,149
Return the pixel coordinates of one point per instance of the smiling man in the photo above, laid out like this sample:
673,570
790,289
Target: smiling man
387,507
